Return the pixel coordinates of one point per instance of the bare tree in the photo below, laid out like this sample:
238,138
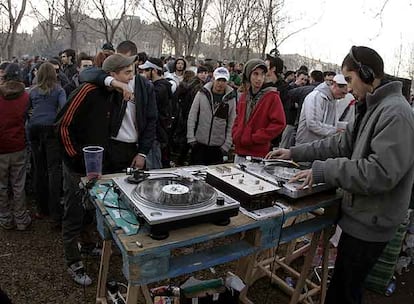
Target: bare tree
131,26
14,17
73,16
49,23
182,20
223,13
108,25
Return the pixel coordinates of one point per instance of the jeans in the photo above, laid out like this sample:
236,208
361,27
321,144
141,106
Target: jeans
13,174
77,221
47,161
355,259
206,155
153,160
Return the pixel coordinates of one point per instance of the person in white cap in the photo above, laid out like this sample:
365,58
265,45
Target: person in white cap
318,115
211,119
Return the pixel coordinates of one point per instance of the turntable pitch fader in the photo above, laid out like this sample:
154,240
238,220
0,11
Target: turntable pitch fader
251,191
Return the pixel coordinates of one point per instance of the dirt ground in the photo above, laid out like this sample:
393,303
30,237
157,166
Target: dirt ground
32,271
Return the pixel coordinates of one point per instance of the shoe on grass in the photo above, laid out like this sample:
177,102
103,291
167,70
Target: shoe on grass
23,227
7,225
90,249
77,271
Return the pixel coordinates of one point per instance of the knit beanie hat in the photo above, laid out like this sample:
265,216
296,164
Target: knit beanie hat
250,66
12,72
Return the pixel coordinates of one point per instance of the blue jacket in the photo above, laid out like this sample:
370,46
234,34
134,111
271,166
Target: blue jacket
45,106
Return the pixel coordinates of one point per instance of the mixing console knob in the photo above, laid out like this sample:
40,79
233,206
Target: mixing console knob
220,201
240,181
257,181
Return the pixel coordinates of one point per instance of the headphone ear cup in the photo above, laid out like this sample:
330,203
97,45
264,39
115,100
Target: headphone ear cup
366,74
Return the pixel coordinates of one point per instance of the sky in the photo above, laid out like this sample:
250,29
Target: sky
343,23
353,22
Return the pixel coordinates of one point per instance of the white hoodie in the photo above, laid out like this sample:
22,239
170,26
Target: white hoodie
318,115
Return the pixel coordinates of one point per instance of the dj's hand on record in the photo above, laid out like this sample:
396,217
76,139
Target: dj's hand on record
279,154
306,176
138,162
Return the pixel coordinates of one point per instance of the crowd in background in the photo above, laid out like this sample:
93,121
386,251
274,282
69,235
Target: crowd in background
148,113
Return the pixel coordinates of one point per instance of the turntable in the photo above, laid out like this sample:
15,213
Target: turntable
279,172
165,203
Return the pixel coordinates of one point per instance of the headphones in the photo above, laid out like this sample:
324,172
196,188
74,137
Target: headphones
365,72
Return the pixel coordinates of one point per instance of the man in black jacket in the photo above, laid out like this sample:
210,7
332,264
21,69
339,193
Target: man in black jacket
141,112
87,119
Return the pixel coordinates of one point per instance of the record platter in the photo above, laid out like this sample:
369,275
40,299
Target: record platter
164,203
279,172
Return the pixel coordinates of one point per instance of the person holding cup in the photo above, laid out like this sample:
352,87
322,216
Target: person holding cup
84,127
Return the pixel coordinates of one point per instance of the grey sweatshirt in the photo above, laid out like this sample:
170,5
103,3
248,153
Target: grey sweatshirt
318,115
207,124
376,171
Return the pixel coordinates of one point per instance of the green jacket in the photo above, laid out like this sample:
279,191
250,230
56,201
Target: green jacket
376,171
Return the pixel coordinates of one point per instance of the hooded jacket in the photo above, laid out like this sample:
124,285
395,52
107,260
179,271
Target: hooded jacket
163,96
374,167
146,107
208,124
266,121
318,115
14,101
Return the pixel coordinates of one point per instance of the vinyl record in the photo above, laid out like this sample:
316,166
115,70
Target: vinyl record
282,173
174,193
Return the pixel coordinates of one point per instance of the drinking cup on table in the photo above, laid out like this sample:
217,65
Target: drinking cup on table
93,161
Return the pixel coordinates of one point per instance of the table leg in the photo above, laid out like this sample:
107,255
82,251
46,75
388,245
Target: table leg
103,269
325,262
306,267
246,266
146,294
132,294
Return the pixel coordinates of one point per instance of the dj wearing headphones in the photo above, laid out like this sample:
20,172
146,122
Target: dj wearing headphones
372,163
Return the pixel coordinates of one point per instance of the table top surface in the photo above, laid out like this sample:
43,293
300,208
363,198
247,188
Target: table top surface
206,231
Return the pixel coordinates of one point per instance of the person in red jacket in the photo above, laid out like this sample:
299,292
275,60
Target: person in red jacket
13,104
260,116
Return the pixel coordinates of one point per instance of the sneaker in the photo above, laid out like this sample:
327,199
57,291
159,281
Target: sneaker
23,227
90,249
7,225
77,271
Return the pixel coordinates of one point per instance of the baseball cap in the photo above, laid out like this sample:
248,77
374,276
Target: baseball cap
221,73
117,61
150,65
340,79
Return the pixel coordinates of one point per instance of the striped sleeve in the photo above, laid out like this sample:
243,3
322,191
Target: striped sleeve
68,117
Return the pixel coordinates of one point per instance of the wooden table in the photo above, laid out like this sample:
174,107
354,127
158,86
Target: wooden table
146,260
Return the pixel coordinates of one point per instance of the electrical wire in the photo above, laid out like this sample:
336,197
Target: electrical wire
276,249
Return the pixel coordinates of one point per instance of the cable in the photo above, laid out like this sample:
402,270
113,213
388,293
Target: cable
277,248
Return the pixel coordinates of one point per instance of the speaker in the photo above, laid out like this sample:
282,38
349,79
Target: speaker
365,72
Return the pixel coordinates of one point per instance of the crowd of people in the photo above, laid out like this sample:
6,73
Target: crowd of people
152,113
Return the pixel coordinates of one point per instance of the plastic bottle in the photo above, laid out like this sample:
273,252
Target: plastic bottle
392,285
290,282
